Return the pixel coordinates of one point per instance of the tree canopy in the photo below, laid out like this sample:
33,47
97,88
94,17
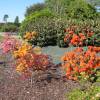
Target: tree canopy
72,8
16,22
34,7
5,17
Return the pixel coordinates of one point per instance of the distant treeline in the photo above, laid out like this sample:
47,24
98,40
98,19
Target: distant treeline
9,27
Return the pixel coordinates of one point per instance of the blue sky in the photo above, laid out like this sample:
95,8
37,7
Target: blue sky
15,8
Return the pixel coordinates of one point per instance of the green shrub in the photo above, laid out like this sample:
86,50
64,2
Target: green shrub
80,9
50,29
50,19
9,28
75,9
35,7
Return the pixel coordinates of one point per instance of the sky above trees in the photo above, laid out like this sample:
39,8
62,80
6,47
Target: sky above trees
15,8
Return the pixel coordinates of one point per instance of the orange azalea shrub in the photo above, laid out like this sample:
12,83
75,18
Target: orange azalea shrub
80,64
26,57
29,58
77,38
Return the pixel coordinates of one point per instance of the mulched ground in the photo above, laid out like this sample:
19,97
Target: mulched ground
14,89
48,85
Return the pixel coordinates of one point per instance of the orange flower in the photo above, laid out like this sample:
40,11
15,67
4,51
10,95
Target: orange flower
30,35
79,49
80,61
63,58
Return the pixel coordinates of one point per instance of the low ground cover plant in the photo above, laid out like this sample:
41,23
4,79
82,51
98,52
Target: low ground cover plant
91,93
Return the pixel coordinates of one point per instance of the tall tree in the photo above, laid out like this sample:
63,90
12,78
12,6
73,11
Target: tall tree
71,8
16,22
35,7
5,18
58,6
80,9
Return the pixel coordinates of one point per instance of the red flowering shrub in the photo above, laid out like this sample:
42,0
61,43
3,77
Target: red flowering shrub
77,38
80,64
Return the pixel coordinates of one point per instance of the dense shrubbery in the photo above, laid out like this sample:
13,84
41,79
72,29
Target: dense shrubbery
81,64
28,23
9,27
87,33
45,28
72,8
50,29
81,10
34,8
51,21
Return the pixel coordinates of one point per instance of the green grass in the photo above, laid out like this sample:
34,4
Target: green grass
88,94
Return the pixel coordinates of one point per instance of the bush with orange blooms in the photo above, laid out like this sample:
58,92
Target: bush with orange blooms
81,64
29,59
26,57
77,38
29,36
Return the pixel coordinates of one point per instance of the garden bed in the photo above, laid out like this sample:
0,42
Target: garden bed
44,84
38,87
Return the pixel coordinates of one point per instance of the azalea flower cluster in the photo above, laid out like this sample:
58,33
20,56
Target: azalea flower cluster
26,57
30,35
77,38
9,44
80,63
29,59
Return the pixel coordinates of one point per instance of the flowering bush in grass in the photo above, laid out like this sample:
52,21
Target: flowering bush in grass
81,64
